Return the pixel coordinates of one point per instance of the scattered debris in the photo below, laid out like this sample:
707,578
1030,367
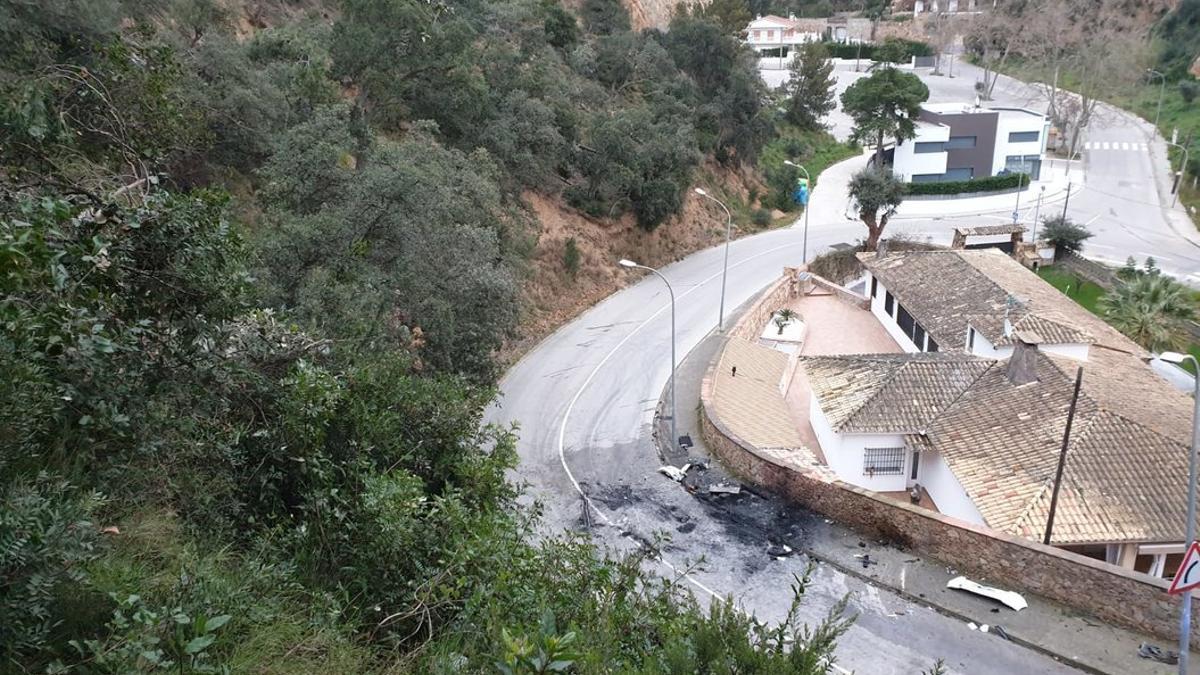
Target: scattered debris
913,560
1000,632
995,610
1156,653
972,626
862,544
828,521
866,559
111,529
686,527
685,441
674,473
779,551
1012,599
983,628
723,489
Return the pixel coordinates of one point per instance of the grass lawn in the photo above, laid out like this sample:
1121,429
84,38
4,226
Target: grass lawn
1088,296
1083,292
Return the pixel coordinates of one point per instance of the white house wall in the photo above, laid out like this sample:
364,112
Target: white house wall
907,162
943,487
844,453
1079,352
1009,122
889,321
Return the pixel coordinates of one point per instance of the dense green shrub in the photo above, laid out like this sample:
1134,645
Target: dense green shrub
1008,181
899,49
571,257
1064,234
761,217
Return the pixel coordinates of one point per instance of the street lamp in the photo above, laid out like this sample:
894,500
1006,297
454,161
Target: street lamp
631,265
1185,614
1182,168
1036,210
804,251
725,267
1161,88
1017,208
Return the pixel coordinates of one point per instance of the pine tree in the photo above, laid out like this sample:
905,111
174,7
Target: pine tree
810,88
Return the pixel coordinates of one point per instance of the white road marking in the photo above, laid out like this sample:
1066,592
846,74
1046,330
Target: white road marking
1094,219
903,573
1104,145
1144,147
1126,146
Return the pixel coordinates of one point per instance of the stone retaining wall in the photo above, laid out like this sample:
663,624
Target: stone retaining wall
750,326
841,293
1111,593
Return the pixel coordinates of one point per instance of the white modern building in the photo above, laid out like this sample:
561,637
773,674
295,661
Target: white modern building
957,142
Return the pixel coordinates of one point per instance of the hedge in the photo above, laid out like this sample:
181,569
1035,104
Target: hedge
909,49
990,184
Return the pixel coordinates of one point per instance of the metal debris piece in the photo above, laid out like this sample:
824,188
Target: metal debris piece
779,551
1000,632
674,473
723,489
1156,653
1012,599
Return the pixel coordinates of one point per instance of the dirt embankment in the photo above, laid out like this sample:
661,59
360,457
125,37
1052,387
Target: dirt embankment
553,296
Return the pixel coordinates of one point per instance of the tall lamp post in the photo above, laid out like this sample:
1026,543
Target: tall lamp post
1182,167
1037,210
1185,613
804,251
1161,88
725,267
631,265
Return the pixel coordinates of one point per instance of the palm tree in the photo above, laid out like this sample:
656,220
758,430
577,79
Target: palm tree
783,317
1149,310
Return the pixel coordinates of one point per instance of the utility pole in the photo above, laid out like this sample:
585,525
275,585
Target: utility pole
1037,210
1067,200
1062,457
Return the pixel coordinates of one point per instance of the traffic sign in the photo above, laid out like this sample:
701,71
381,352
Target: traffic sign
1188,576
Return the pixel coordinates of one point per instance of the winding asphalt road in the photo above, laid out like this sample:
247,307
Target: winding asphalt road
585,401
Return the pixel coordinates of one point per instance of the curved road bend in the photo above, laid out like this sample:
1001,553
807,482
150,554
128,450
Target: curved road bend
585,400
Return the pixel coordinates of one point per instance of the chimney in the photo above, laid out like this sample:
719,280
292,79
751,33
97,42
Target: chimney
1022,365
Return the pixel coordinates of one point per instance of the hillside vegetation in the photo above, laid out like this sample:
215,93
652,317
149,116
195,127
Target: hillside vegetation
257,260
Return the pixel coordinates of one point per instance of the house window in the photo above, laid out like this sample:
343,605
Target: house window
1024,136
932,346
874,287
960,142
918,335
1029,164
883,461
964,173
905,320
927,177
916,458
889,302
927,147
971,340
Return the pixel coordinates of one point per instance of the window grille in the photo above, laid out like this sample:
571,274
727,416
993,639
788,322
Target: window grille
883,461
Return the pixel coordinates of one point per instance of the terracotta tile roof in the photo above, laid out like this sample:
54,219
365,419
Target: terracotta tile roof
989,230
883,393
948,289
1124,481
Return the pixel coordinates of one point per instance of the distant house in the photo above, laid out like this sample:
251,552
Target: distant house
776,36
956,142
974,414
952,6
